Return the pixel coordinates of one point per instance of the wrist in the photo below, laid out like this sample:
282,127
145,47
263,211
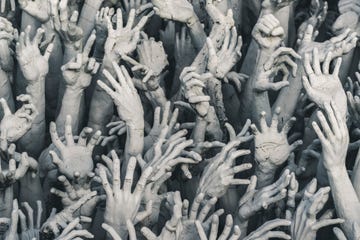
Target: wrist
337,172
74,91
193,20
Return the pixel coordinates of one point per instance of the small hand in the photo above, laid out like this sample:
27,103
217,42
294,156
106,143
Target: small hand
14,173
256,199
268,32
271,146
321,86
123,39
277,62
75,190
169,230
80,150
70,33
11,233
78,72
32,229
236,233
334,137
193,85
125,96
304,224
16,125
117,196
220,63
57,221
33,64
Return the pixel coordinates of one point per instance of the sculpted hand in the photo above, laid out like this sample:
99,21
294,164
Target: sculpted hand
338,45
125,96
192,85
265,231
256,199
271,145
176,10
101,25
167,153
70,33
30,229
11,233
277,62
58,221
184,52
219,174
334,137
318,11
268,32
166,119
75,158
16,125
74,191
33,64
16,172
123,39
116,197
228,228
78,72
39,9
169,230
304,224
115,236
221,62
321,86
152,62
73,231
187,227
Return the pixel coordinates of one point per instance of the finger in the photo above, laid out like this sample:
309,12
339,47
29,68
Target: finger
55,138
94,140
316,61
129,177
326,222
200,230
337,66
68,131
227,228
83,136
195,206
326,64
206,209
148,234
5,106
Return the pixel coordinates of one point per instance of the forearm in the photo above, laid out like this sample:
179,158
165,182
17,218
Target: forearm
347,207
37,92
355,177
71,105
265,176
288,97
197,33
157,97
254,102
217,36
6,91
199,131
87,17
6,199
101,106
134,139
